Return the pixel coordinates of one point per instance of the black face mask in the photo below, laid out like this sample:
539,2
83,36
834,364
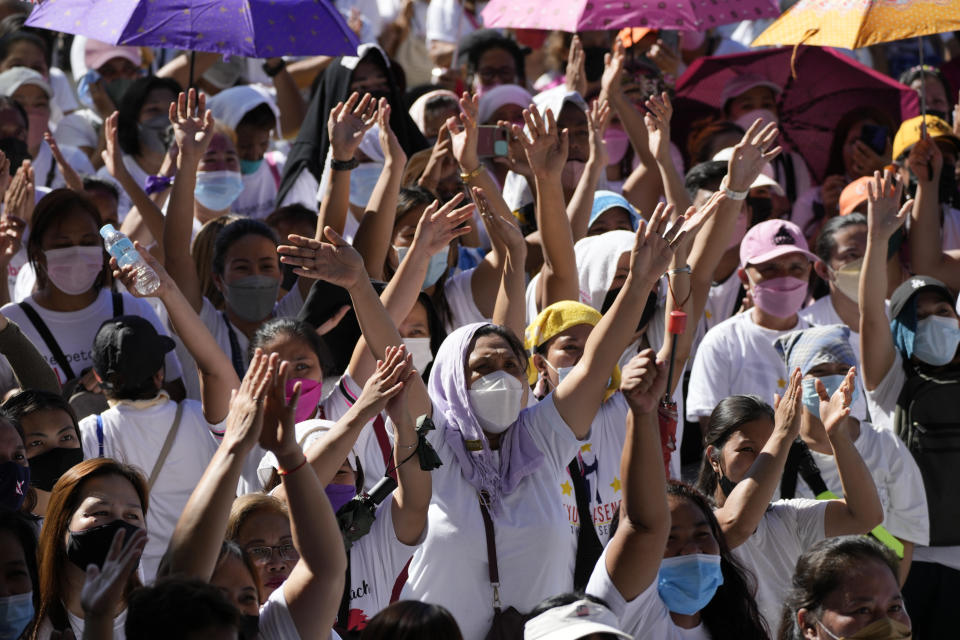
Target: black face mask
726,484
760,208
91,546
116,88
648,310
46,468
16,151
593,62
14,482
249,627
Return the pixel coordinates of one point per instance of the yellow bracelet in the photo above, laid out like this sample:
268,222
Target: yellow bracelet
467,176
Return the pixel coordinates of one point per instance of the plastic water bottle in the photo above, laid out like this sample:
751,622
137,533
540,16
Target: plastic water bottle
119,246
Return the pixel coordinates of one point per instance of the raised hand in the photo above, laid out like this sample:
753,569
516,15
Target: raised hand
657,119
884,213
103,587
610,82
192,124
576,74
516,158
547,146
392,151
70,176
19,198
439,225
386,382
598,118
789,407
501,231
925,160
112,154
128,274
398,407
463,134
655,244
643,382
5,176
335,261
279,433
348,123
695,218
833,409
866,160
245,419
11,237
751,155
665,57
439,163
830,193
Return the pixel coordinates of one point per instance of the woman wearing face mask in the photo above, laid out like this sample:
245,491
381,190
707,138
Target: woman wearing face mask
72,297
746,448
143,133
668,571
824,357
89,504
839,571
51,435
510,457
14,467
19,583
901,360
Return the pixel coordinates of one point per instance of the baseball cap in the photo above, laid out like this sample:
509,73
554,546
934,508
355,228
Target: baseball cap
128,350
853,195
13,79
910,133
911,287
764,179
741,83
573,621
604,200
771,239
96,54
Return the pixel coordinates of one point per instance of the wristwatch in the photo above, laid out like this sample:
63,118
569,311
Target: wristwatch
344,165
274,70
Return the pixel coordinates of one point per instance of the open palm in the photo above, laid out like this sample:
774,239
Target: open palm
335,261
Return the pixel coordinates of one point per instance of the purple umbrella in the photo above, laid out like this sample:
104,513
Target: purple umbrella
252,28
827,85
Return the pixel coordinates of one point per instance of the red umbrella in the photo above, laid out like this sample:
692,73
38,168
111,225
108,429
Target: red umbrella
827,85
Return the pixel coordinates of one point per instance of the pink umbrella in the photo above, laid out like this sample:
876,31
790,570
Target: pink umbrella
827,85
586,15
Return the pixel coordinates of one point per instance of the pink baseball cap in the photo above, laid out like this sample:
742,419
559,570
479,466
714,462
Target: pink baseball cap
741,83
96,53
771,239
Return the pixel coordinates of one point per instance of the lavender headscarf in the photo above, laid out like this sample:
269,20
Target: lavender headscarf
449,391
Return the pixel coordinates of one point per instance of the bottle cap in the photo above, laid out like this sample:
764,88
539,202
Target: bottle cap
106,230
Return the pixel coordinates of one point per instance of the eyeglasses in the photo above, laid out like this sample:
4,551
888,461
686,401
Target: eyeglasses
264,554
489,75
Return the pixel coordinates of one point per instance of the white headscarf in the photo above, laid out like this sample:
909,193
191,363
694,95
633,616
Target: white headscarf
231,105
597,258
499,96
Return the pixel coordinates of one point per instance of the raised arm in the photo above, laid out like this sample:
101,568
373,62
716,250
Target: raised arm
579,395
70,176
30,369
11,239
657,120
315,585
744,507
860,510
884,217
510,308
636,549
217,375
373,237
193,131
546,149
926,163
581,203
346,127
290,101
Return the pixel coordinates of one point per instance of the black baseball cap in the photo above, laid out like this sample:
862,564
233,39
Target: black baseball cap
128,350
912,286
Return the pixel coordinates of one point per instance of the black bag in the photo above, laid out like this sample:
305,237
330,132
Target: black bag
507,623
927,419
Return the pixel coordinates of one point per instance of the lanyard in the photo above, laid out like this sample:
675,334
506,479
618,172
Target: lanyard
236,355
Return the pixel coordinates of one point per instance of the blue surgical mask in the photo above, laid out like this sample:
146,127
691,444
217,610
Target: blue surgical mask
686,584
811,399
83,88
250,167
936,340
436,268
16,612
217,190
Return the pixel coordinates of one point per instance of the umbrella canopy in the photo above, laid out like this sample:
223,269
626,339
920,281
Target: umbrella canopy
586,15
827,86
252,28
851,24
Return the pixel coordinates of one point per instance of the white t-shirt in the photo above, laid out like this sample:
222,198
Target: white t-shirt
646,616
124,203
79,129
448,22
375,562
276,623
736,357
258,198
458,290
721,305
950,231
44,164
787,529
599,457
135,436
75,331
535,551
77,624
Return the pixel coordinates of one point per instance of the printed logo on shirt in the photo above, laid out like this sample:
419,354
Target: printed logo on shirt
601,511
357,618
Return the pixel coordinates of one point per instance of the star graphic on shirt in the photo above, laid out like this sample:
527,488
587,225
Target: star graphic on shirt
616,483
586,447
781,383
708,314
567,488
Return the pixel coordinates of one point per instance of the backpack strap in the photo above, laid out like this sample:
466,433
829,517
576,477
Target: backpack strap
589,546
48,339
117,299
99,436
167,444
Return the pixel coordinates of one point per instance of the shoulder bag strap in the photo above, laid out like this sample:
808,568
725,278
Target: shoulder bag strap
491,551
589,546
117,304
343,612
236,355
809,470
48,340
99,435
167,444
788,481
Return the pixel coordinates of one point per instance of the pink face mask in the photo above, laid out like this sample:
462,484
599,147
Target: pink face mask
74,270
617,144
780,297
311,392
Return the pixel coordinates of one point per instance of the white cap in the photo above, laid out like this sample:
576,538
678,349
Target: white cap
764,179
572,621
13,79
307,432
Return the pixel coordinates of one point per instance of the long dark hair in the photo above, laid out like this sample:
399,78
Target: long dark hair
279,327
850,118
821,570
128,133
48,211
732,612
412,620
728,416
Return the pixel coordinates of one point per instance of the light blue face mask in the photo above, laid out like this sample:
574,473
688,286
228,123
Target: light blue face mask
936,340
83,88
217,190
362,181
436,268
250,167
811,399
686,584
16,612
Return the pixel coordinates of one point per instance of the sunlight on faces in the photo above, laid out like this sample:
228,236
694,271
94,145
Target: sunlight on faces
756,98
11,445
491,353
563,350
252,142
866,594
268,529
405,228
614,219
574,120
850,244
104,499
221,155
690,531
233,579
251,255
14,575
48,429
25,54
303,360
793,265
741,449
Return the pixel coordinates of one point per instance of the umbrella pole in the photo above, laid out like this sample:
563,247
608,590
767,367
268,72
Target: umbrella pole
193,59
923,92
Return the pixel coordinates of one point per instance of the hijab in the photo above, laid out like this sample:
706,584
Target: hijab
597,258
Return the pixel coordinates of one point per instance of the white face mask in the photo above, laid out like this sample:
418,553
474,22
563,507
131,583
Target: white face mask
419,348
496,399
847,278
562,372
936,340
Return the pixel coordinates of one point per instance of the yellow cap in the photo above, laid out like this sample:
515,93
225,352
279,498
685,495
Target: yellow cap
910,133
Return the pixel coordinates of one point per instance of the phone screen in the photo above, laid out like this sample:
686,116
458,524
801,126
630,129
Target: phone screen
875,137
491,141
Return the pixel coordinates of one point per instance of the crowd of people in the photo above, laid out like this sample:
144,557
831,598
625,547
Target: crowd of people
471,335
